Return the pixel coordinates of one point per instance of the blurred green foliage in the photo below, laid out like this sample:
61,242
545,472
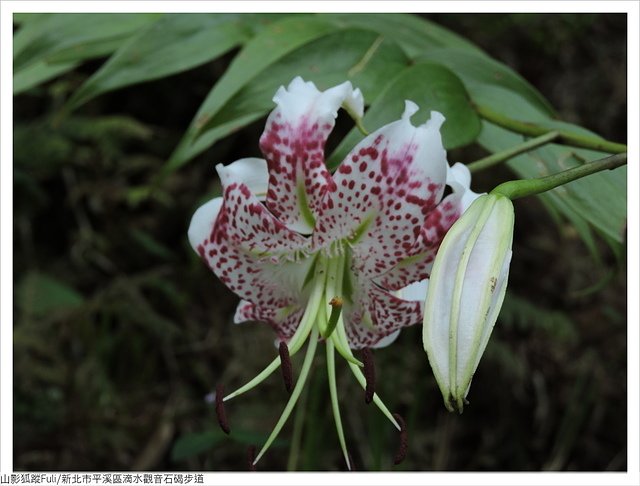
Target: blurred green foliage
121,333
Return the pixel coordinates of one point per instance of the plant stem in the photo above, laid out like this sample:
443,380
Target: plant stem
528,187
511,152
564,137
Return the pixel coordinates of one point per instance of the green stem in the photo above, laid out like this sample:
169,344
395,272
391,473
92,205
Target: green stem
511,152
564,137
528,187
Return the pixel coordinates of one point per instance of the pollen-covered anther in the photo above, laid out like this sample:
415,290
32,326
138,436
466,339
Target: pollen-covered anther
220,412
285,366
251,456
369,374
401,453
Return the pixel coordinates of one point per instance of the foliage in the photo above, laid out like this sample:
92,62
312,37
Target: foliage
120,333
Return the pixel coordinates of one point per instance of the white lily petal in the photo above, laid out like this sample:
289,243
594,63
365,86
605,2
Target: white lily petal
415,291
250,171
202,222
302,97
459,179
387,340
293,144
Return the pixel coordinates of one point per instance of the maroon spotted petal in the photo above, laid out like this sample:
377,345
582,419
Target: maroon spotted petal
293,144
385,189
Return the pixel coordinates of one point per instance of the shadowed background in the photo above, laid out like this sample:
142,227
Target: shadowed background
121,332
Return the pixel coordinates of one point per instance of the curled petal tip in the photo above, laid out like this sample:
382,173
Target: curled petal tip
354,103
410,109
436,120
202,222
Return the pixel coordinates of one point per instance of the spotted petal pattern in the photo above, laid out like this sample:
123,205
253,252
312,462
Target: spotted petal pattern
293,144
384,190
283,321
376,314
381,212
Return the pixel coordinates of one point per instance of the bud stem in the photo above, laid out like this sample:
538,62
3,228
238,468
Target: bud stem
528,187
511,152
564,137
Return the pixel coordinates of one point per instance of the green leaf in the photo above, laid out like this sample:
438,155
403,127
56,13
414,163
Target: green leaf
173,44
74,37
431,87
599,199
477,70
38,73
414,34
40,295
269,46
362,57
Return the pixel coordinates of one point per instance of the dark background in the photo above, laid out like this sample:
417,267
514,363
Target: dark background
121,332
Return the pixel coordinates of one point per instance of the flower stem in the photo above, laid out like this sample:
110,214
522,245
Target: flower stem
528,187
304,373
564,137
511,152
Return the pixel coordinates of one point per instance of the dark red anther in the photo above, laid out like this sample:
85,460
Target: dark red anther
401,453
251,456
220,413
369,374
285,365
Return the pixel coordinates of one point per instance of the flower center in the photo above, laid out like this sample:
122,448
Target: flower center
329,287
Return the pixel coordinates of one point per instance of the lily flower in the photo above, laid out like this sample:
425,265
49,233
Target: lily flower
330,257
466,291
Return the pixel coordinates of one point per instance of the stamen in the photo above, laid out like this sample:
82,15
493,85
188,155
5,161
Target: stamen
369,374
304,373
333,392
295,343
340,337
285,365
401,453
220,413
251,455
336,309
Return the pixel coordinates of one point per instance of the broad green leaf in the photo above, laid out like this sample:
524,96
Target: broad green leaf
38,73
74,37
25,18
599,199
269,46
414,34
173,44
40,295
477,70
362,57
431,87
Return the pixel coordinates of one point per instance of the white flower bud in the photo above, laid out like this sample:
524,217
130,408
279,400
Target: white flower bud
466,290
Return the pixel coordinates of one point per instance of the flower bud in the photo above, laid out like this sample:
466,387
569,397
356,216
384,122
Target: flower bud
466,290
